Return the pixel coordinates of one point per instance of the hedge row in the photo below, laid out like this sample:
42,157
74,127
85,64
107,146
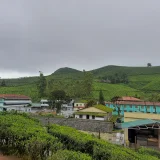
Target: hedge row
25,137
69,155
98,149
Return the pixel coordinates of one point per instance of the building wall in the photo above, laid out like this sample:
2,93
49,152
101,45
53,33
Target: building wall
20,109
134,108
79,104
90,117
17,101
136,116
81,124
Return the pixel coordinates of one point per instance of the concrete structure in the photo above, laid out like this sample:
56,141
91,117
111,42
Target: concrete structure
145,132
79,106
80,124
67,109
38,107
140,130
44,103
97,112
12,102
129,116
131,104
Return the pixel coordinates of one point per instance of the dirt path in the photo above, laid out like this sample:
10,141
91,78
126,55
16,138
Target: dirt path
8,158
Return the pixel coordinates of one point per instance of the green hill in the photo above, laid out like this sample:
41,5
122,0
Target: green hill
143,82
109,70
66,70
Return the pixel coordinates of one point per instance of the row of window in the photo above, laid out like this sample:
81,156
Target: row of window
87,116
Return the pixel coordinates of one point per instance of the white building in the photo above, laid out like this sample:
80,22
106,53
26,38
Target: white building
79,106
67,109
12,102
97,112
44,103
38,107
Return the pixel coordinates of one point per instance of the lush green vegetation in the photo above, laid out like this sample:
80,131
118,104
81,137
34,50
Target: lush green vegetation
103,108
96,148
23,136
69,155
143,82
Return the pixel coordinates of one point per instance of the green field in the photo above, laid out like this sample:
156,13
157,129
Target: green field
25,137
143,81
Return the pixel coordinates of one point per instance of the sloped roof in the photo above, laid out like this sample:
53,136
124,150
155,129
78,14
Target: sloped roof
103,108
13,96
96,109
128,99
138,123
143,103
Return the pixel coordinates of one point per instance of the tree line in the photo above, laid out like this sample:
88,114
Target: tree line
116,78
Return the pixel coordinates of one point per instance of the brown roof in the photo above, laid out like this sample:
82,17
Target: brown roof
128,99
13,96
143,103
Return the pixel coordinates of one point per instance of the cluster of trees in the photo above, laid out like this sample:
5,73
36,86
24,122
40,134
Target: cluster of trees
3,83
73,88
116,78
59,90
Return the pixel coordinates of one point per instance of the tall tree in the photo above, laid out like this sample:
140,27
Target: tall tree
87,83
58,95
101,98
149,65
3,83
41,85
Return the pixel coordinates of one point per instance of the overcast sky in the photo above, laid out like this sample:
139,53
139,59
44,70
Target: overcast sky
44,35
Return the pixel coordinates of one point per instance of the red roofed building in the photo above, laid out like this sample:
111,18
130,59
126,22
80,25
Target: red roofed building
131,104
13,102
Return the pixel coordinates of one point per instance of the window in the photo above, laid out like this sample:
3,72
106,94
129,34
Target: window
77,105
93,117
87,116
80,116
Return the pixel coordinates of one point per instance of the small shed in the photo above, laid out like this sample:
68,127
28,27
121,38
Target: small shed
145,132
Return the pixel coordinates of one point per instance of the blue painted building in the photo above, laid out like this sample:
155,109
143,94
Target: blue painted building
131,104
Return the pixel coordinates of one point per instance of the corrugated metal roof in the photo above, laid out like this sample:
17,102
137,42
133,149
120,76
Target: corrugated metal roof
142,103
128,99
13,96
138,123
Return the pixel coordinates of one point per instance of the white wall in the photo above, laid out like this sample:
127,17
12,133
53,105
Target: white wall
99,118
79,104
78,116
20,109
90,117
17,101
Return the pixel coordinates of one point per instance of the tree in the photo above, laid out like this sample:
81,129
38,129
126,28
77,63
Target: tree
149,65
101,98
91,103
3,84
87,83
116,106
58,95
41,85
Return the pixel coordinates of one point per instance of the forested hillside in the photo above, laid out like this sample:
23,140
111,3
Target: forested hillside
143,82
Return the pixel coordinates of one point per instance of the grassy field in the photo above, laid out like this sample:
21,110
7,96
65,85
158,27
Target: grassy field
111,90
143,81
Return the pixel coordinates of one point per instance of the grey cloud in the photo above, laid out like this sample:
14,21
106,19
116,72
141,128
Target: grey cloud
45,35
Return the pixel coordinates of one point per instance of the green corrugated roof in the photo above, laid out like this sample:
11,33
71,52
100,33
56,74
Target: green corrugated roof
138,123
